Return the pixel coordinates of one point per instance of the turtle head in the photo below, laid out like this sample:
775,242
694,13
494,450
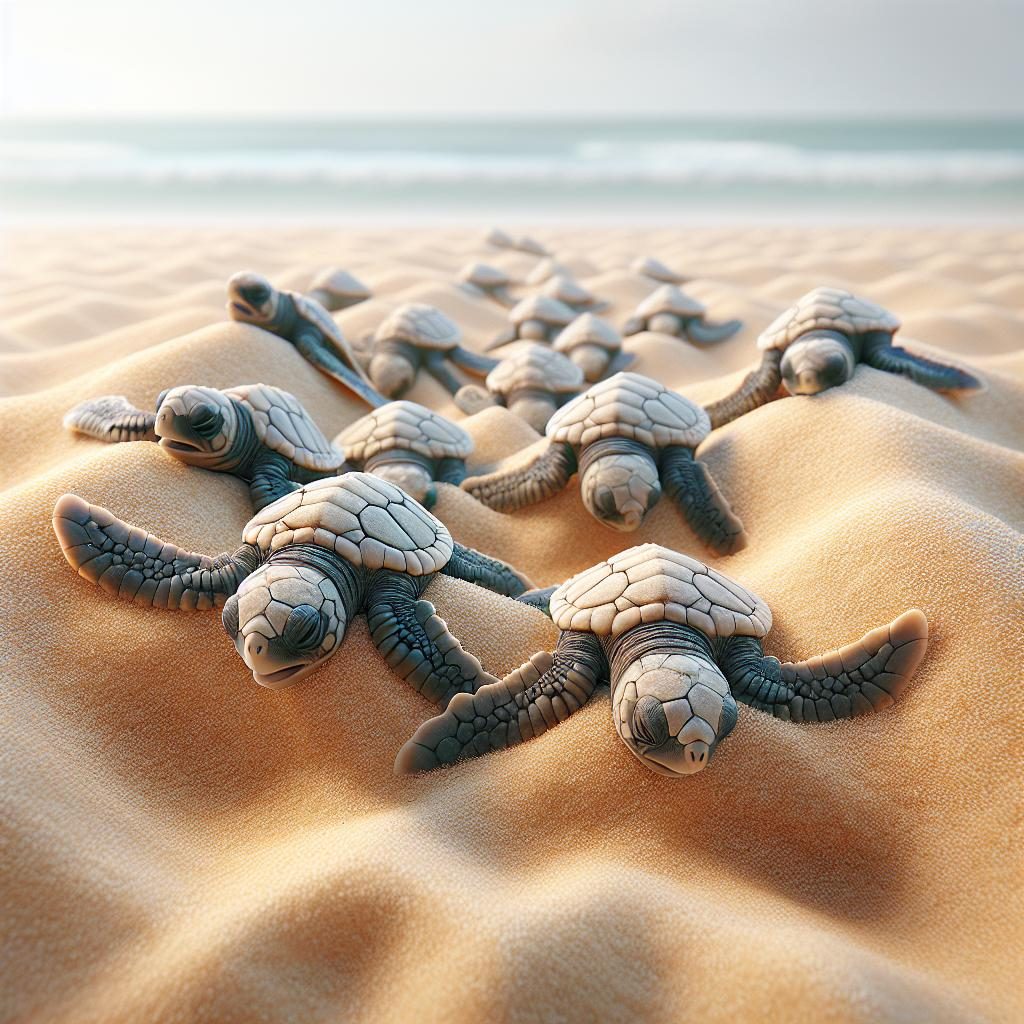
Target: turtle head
196,425
252,298
391,372
593,360
411,476
619,482
673,712
816,362
285,621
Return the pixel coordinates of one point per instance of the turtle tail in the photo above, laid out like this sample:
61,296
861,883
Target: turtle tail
865,676
136,566
758,387
708,334
934,375
510,489
111,418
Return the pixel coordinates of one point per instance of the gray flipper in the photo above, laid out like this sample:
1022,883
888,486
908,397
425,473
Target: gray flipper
538,695
271,479
539,598
689,483
491,573
111,418
436,364
618,363
510,489
708,334
937,376
136,566
471,362
759,386
862,677
451,471
416,642
312,346
634,325
504,338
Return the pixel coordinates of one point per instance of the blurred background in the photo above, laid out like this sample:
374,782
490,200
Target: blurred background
569,111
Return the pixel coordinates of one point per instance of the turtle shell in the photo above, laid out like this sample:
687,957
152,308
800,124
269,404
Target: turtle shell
408,426
420,325
588,329
655,269
566,290
364,519
650,583
630,405
669,299
483,275
312,312
284,426
537,367
543,308
827,309
342,283
545,270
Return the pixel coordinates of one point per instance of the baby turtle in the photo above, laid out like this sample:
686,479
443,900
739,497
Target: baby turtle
304,323
308,564
547,269
410,446
572,294
678,644
337,289
535,318
594,346
667,310
656,270
532,383
816,344
629,438
524,243
492,282
256,432
417,335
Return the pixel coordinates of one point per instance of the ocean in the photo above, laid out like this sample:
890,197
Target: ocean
529,171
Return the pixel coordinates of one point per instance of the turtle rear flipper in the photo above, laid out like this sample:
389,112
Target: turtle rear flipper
688,481
472,362
937,376
545,476
539,598
709,334
862,677
491,573
129,563
538,695
111,418
759,386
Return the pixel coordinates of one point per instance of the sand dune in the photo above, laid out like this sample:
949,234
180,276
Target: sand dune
181,844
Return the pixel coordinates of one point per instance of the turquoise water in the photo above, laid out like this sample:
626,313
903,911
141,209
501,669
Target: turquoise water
555,170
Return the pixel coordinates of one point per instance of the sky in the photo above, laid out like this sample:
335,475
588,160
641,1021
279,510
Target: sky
113,58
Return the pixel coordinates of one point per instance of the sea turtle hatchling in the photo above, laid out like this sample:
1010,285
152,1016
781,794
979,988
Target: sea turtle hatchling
572,294
629,438
482,278
337,289
408,445
656,270
304,323
532,382
668,310
816,344
522,243
678,645
416,335
535,318
594,346
308,564
258,433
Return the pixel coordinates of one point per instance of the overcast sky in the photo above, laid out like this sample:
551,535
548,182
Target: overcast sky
338,57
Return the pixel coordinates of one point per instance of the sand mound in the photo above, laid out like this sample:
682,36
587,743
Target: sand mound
183,845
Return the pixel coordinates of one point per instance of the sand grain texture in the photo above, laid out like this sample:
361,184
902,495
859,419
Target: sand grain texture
182,845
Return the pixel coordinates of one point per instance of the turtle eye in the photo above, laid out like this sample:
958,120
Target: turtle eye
304,630
649,723
205,420
229,616
257,294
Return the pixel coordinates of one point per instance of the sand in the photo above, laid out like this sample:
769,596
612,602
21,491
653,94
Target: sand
180,844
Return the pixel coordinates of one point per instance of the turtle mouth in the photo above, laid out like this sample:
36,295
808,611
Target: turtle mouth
284,677
244,309
178,446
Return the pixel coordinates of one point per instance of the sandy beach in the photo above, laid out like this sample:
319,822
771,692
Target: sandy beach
180,844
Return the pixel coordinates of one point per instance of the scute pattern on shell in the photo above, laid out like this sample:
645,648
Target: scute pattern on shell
649,583
630,405
285,427
421,325
311,311
404,425
588,329
366,520
828,309
543,308
535,366
669,299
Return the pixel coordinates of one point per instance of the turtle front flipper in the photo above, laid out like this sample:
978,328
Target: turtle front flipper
131,564
436,364
451,470
271,479
490,573
417,644
709,334
111,418
538,695
862,677
510,489
759,386
619,362
333,362
688,481
539,598
471,362
937,376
